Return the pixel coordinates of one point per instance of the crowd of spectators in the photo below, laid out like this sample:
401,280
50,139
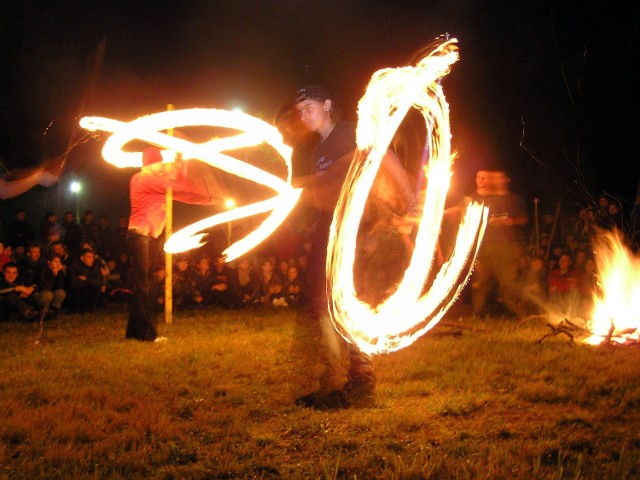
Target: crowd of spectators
81,266
84,266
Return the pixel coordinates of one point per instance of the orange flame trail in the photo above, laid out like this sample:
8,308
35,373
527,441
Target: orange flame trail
408,313
255,132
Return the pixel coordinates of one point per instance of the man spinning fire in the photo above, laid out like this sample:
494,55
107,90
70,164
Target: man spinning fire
328,372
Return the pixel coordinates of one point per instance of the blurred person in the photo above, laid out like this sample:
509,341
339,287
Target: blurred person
16,182
496,264
203,277
327,371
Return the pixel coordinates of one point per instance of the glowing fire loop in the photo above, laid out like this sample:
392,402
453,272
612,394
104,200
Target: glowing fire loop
409,312
616,315
255,132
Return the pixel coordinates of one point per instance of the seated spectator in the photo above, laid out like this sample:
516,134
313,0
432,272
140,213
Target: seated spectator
32,264
117,288
220,288
52,286
245,285
185,294
270,283
16,298
86,282
4,257
563,286
156,287
203,278
293,286
60,249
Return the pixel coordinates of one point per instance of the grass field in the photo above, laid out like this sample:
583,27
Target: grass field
483,401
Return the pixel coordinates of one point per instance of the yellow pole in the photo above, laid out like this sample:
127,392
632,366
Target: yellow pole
168,283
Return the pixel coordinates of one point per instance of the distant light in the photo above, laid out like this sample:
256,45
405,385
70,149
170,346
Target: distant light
75,187
229,203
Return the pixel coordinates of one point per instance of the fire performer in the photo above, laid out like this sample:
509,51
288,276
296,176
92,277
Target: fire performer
327,371
497,258
193,182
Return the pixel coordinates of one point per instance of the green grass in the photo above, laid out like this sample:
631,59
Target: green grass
80,401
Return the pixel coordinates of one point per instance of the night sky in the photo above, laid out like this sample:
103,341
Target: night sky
565,71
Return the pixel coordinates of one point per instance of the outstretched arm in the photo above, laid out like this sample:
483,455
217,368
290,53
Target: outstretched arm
45,175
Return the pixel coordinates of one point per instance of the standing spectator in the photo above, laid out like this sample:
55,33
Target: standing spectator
50,229
20,233
86,282
16,297
120,236
89,229
52,286
73,233
105,244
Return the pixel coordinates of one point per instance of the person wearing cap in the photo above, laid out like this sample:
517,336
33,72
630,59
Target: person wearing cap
326,371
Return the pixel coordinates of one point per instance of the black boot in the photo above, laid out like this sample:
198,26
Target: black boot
141,324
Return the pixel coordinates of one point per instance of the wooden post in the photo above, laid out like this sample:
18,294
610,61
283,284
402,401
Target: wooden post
168,282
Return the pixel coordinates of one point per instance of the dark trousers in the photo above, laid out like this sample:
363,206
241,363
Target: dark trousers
141,323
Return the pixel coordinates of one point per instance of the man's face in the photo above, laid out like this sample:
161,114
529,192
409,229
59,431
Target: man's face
10,274
88,258
34,253
314,114
69,218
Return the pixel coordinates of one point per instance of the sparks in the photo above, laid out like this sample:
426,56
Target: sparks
407,313
254,132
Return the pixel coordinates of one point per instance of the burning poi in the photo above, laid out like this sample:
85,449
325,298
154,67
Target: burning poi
409,311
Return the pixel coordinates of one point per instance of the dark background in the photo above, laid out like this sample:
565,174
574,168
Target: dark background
546,88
